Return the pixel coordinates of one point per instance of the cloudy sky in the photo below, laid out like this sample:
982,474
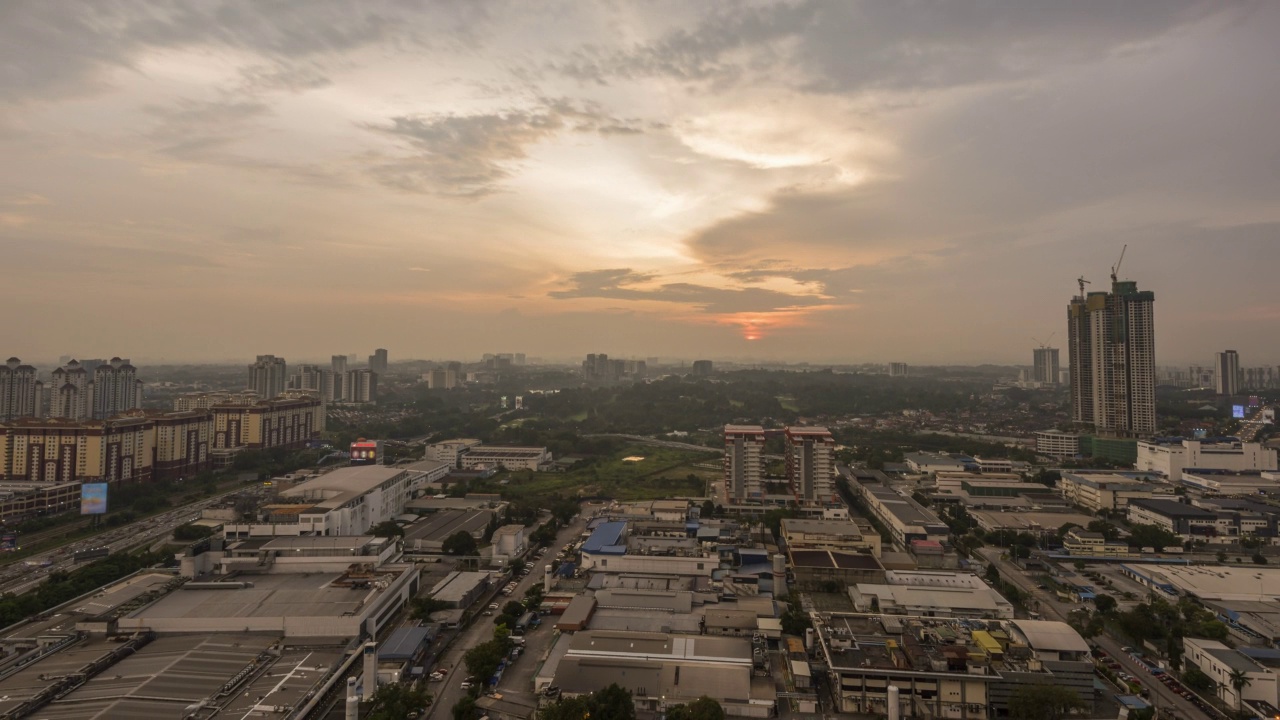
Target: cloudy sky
826,181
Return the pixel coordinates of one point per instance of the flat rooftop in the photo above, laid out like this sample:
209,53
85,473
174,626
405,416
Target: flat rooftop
336,488
439,526
833,559
272,596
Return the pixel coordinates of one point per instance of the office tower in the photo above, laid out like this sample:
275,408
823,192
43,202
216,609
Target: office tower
1045,365
70,393
1111,350
116,388
743,466
338,366
898,369
811,465
267,376
360,386
21,393
1227,373
703,367
520,359
378,361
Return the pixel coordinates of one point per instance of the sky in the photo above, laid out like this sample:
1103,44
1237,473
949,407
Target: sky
833,182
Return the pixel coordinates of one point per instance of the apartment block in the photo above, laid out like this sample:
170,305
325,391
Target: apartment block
743,465
810,462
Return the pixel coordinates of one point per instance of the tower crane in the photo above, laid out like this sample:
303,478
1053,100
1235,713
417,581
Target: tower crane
1045,343
1115,269
1082,282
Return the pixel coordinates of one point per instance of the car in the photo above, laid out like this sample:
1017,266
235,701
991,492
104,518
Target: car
493,606
435,677
552,692
487,612
466,684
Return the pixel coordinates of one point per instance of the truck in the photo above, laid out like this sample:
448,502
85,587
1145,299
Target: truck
524,623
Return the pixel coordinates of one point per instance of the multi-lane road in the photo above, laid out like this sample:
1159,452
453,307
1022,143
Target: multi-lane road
25,575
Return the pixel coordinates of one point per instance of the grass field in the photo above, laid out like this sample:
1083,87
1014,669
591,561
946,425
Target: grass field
663,472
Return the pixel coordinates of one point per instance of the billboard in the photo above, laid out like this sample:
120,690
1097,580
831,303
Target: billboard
1254,401
1237,411
93,499
366,452
8,542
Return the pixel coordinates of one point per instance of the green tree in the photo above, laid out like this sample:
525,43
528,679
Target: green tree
421,608
704,708
613,703
387,529
1193,678
465,709
566,708
396,700
1239,680
794,619
1044,702
1105,603
513,608
482,660
192,532
460,543
1259,559
1144,535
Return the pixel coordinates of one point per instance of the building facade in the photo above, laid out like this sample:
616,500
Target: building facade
1227,376
1171,456
116,388
1111,348
360,387
57,450
743,465
810,463
378,361
71,393
267,424
183,441
21,392
1057,444
267,376
1045,368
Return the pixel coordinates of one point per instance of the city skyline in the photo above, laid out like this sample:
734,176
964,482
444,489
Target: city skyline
807,181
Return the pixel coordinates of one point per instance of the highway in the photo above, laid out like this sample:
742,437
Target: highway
1051,608
25,575
1250,427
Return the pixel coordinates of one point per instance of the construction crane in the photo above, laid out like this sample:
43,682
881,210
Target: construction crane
1115,269
1082,282
1045,343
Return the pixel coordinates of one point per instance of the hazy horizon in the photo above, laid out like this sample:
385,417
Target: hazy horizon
831,182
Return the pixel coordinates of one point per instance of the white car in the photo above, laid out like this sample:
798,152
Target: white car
466,684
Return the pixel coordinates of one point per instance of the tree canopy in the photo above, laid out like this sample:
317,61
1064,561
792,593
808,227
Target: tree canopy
387,529
460,543
612,703
395,701
704,708
1045,702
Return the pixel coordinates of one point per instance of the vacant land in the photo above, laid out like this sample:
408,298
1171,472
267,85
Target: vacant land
662,472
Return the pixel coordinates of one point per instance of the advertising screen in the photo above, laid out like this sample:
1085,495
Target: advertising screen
93,499
1254,401
8,542
1237,411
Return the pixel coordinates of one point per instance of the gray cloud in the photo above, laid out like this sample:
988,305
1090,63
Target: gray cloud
191,129
51,49
618,284
844,46
470,155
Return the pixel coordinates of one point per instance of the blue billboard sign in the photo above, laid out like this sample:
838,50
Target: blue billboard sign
1237,411
93,499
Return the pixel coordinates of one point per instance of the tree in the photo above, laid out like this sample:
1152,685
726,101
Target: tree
482,660
1109,531
1259,559
1044,702
460,543
1105,603
794,619
513,608
395,701
421,608
387,529
1144,535
465,709
1239,679
566,708
1193,678
708,509
613,703
191,532
704,708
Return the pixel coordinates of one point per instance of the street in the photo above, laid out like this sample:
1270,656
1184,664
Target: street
448,692
1051,608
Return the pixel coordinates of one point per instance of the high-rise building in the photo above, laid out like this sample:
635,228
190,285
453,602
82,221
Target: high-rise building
1111,350
267,376
21,392
743,465
360,386
703,367
70,393
1045,365
898,369
116,388
378,361
64,450
1227,373
811,465
308,377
